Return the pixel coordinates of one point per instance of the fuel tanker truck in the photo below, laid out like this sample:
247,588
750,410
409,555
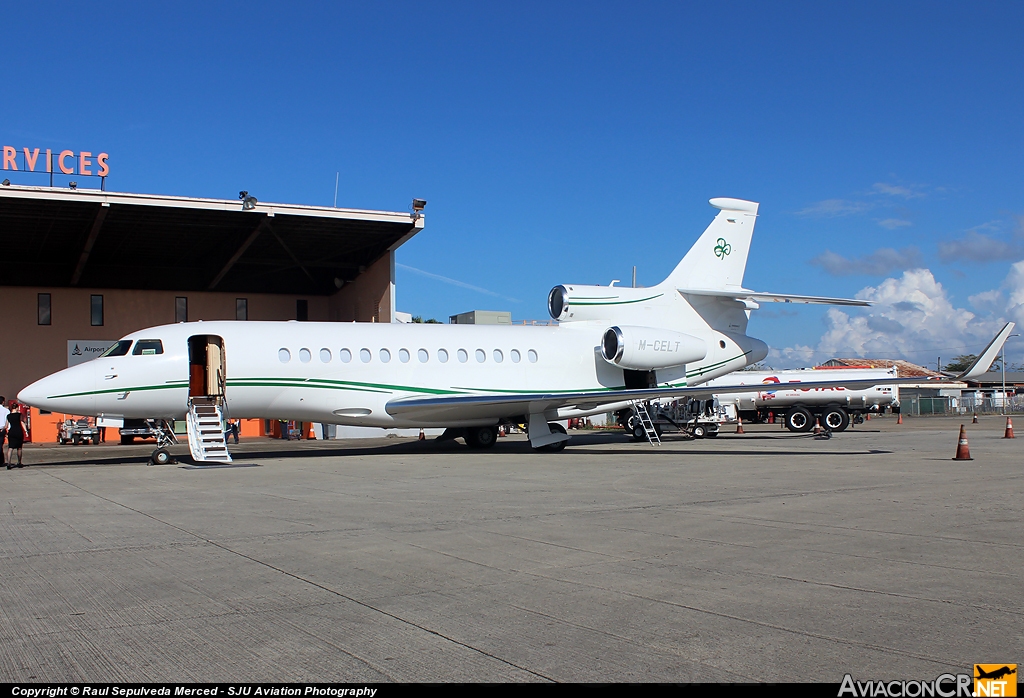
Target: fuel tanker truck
834,407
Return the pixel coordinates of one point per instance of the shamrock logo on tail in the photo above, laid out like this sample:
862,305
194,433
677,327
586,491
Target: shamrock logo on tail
722,249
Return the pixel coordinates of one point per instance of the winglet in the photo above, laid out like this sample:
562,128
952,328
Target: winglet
988,356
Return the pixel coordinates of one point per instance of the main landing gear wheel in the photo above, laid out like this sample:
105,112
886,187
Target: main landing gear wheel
639,433
161,456
481,437
799,419
555,447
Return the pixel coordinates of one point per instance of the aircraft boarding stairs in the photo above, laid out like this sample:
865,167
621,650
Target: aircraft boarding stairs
206,439
645,419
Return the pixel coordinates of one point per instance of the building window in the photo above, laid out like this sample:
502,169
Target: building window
302,310
181,309
44,308
96,310
241,308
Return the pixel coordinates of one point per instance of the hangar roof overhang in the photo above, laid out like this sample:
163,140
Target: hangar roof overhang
97,239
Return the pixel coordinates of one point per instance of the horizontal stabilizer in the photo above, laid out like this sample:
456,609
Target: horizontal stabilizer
742,294
988,356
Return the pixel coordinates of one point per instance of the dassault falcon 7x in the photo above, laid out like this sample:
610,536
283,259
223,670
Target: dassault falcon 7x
612,347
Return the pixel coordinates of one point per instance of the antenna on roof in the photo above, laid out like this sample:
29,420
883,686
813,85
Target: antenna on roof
336,175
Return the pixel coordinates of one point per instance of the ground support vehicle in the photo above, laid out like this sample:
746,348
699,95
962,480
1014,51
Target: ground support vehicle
138,429
833,408
697,419
77,431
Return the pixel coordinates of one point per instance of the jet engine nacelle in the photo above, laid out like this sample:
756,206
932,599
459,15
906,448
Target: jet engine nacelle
649,349
574,303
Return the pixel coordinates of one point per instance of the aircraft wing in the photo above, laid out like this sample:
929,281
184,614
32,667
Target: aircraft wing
988,356
483,406
757,296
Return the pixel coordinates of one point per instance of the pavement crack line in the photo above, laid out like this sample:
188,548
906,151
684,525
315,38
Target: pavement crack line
759,623
312,583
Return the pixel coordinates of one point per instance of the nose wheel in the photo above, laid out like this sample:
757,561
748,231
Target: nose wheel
164,438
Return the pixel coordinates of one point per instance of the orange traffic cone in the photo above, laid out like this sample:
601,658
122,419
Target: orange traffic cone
868,416
501,430
899,420
975,418
771,418
739,425
817,426
963,451
423,437
1009,429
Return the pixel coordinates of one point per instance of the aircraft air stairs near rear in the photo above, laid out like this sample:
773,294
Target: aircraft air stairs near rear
612,347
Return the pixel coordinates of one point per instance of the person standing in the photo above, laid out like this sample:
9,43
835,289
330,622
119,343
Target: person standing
15,435
3,427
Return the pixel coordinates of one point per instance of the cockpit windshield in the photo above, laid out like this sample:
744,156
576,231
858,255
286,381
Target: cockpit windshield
119,348
148,346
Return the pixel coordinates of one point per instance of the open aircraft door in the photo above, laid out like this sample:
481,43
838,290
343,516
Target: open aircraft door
207,377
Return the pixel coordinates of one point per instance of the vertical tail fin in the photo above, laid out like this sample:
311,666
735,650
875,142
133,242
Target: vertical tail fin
719,257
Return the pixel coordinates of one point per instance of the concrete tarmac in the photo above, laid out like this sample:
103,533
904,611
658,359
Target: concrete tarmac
763,557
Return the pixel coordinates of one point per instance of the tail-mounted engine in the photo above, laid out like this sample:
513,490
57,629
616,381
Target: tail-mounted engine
572,303
647,348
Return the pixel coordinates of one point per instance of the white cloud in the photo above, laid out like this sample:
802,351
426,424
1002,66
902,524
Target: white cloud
879,263
913,319
977,247
893,223
832,208
897,190
987,301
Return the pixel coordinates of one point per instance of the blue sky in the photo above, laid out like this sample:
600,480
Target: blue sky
564,143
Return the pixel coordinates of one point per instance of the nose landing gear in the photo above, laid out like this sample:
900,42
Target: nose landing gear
164,438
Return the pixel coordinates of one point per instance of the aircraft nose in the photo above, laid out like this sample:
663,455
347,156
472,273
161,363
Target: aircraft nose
69,391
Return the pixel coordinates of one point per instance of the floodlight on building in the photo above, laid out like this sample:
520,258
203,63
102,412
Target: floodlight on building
7,182
73,185
248,202
419,204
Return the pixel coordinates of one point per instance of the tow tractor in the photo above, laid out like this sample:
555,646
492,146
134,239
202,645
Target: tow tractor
697,419
76,431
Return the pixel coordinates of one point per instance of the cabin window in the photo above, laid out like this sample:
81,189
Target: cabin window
385,356
117,348
325,355
481,356
181,309
305,355
463,356
423,355
96,310
721,343
442,356
145,347
241,308
284,355
346,356
532,356
403,355
364,355
43,308
498,357
515,356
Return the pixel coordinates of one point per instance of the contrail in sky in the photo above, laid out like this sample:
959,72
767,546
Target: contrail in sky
455,282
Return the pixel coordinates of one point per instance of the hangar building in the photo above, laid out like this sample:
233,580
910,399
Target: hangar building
82,268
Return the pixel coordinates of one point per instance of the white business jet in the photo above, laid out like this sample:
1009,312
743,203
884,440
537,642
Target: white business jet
612,348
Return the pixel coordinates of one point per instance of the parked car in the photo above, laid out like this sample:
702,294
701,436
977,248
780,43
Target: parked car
78,431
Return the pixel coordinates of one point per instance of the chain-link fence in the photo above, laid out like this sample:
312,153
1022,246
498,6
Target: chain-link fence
918,406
